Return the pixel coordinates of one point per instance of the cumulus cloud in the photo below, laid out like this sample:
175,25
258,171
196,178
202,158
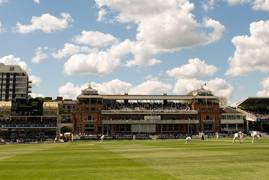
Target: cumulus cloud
40,55
208,4
34,95
13,60
101,15
142,55
35,79
37,1
95,39
189,78
70,49
3,2
218,86
70,90
184,86
251,52
99,62
2,29
116,86
265,88
236,2
195,68
262,5
151,87
161,26
46,23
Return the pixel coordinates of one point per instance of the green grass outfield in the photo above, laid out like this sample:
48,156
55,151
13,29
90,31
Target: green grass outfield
148,159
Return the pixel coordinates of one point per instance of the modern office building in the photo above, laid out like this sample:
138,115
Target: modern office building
14,83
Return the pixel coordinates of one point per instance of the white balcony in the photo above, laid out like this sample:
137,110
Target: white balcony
231,121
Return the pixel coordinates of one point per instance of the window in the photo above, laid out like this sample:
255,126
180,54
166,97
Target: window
89,126
232,126
208,127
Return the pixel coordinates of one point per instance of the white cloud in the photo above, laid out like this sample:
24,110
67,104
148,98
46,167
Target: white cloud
236,2
37,1
69,50
262,5
252,51
13,60
3,1
116,86
219,87
2,29
40,55
101,15
195,68
35,80
265,88
94,63
95,39
151,87
71,91
142,55
34,95
46,23
184,86
161,26
208,4
100,62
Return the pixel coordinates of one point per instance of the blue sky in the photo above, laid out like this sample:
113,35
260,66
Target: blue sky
135,48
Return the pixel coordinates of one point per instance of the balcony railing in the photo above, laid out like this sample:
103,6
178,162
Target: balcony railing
30,126
232,129
164,111
150,121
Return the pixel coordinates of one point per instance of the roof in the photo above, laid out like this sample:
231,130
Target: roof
5,105
11,68
50,105
201,92
230,110
254,101
147,97
89,91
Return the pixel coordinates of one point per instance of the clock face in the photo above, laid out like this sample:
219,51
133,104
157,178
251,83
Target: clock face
195,93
